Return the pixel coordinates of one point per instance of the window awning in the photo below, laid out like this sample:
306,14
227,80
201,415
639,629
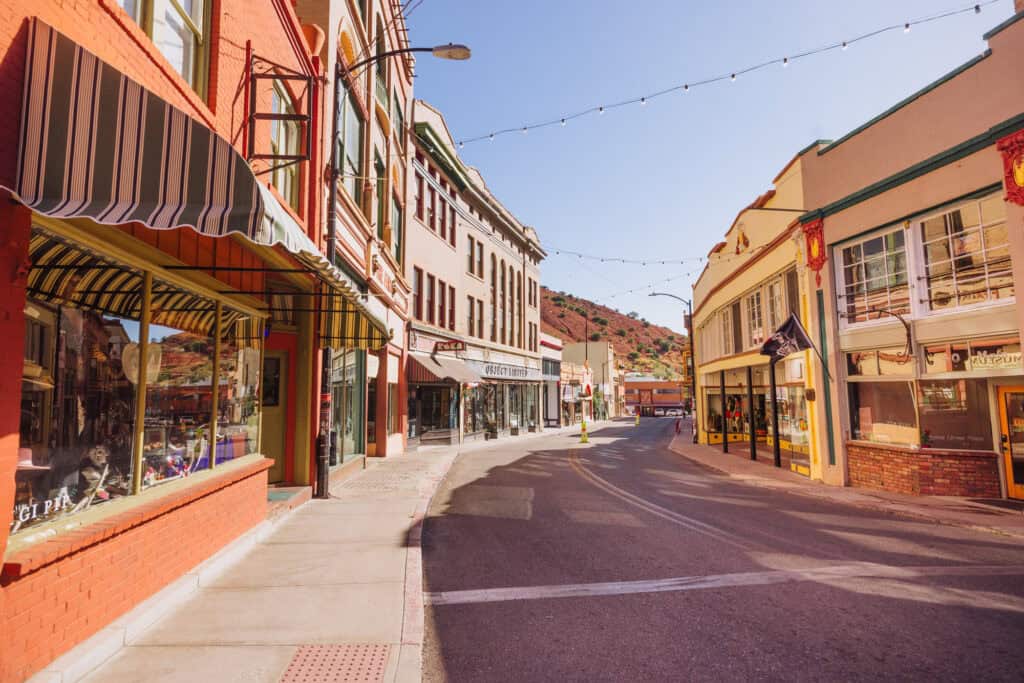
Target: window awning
427,368
96,144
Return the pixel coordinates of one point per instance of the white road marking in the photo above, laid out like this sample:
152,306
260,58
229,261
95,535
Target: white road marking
687,583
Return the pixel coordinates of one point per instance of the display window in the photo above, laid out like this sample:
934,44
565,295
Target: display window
83,412
884,412
347,405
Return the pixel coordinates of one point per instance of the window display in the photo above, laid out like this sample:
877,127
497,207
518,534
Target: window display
77,413
955,414
238,418
347,397
883,412
179,404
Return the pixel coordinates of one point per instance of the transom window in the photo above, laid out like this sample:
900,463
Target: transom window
967,255
874,278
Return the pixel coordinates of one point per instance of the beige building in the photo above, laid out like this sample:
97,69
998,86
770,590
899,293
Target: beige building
474,342
755,277
600,357
917,234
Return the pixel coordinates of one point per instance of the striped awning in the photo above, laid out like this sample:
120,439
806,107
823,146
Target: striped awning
96,144
427,368
68,274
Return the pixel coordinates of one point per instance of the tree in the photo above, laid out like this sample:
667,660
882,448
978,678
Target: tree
664,346
633,355
595,336
621,332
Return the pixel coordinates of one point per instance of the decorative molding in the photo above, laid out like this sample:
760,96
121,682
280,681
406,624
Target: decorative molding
814,235
1012,148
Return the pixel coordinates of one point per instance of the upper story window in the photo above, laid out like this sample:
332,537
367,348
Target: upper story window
725,331
350,145
774,304
470,262
399,123
755,319
397,230
179,29
419,196
284,141
967,255
417,293
480,260
873,281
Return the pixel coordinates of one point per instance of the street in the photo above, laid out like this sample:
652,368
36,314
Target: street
620,560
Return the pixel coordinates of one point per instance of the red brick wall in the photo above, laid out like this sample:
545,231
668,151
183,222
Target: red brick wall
50,605
923,472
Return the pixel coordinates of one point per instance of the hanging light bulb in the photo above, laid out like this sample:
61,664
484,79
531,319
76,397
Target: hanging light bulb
733,78
686,87
491,136
524,130
845,45
785,62
906,28
563,122
461,145
643,101
977,9
600,110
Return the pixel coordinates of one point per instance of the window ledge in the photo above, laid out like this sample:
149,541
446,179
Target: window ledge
53,541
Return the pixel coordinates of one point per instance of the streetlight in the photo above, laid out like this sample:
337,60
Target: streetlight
450,51
693,365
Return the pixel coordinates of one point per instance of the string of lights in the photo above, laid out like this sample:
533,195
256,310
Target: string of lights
558,251
732,75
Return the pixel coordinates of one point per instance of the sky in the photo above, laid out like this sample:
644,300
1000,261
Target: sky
664,180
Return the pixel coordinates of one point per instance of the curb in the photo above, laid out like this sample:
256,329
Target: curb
877,505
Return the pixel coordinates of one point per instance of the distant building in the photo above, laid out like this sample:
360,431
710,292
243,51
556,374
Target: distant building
600,356
551,376
649,395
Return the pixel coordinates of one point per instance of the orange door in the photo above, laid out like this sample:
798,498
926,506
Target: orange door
1011,422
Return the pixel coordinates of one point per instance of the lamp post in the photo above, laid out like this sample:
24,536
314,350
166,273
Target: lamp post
449,51
693,365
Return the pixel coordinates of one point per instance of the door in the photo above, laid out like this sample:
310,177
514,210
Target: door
1011,422
275,395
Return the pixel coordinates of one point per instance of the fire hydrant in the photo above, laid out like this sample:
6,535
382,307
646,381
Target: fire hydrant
583,432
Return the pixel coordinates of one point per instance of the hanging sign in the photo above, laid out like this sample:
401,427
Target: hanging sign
449,345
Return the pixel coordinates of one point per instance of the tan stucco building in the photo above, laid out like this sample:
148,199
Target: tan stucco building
474,337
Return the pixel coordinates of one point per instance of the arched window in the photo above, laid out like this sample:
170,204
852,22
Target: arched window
504,305
494,298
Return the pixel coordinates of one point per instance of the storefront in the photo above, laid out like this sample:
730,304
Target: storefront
508,396
446,401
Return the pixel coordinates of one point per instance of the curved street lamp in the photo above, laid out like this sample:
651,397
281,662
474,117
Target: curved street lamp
693,361
452,51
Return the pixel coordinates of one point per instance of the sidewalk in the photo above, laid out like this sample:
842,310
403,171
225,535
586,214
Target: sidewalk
954,511
332,590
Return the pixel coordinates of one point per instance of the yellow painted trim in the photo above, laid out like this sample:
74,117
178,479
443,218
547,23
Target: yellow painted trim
800,469
138,435
812,412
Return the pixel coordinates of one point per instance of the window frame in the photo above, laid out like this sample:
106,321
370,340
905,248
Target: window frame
199,80
838,253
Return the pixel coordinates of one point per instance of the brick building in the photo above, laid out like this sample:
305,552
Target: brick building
165,295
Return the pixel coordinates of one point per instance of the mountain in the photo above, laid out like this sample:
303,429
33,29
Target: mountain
639,345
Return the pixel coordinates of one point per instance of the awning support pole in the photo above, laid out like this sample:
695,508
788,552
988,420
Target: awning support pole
776,448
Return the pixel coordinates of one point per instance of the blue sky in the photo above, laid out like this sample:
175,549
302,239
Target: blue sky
663,181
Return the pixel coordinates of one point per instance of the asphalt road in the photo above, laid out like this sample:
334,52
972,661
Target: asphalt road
621,561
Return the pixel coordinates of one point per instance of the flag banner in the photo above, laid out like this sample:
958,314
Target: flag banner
790,338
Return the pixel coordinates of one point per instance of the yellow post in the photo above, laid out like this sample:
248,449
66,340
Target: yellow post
583,432
637,422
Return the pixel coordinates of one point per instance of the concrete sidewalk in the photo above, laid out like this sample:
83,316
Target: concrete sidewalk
332,590
962,512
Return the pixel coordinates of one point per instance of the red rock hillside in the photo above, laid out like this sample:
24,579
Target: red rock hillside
639,345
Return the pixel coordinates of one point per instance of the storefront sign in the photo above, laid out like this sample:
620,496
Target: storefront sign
26,512
1005,360
449,345
505,371
1012,148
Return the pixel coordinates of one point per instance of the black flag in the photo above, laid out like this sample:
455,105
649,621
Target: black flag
790,338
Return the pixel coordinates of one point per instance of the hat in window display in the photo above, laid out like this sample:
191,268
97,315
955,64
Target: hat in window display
130,362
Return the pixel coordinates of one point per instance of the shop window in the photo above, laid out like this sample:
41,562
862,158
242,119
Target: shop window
874,278
967,255
179,29
883,412
75,444
371,409
955,414
347,381
179,404
238,417
284,141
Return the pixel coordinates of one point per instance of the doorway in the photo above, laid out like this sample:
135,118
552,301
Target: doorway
275,409
1011,423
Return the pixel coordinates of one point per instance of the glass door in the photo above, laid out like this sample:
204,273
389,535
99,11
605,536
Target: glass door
1011,421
